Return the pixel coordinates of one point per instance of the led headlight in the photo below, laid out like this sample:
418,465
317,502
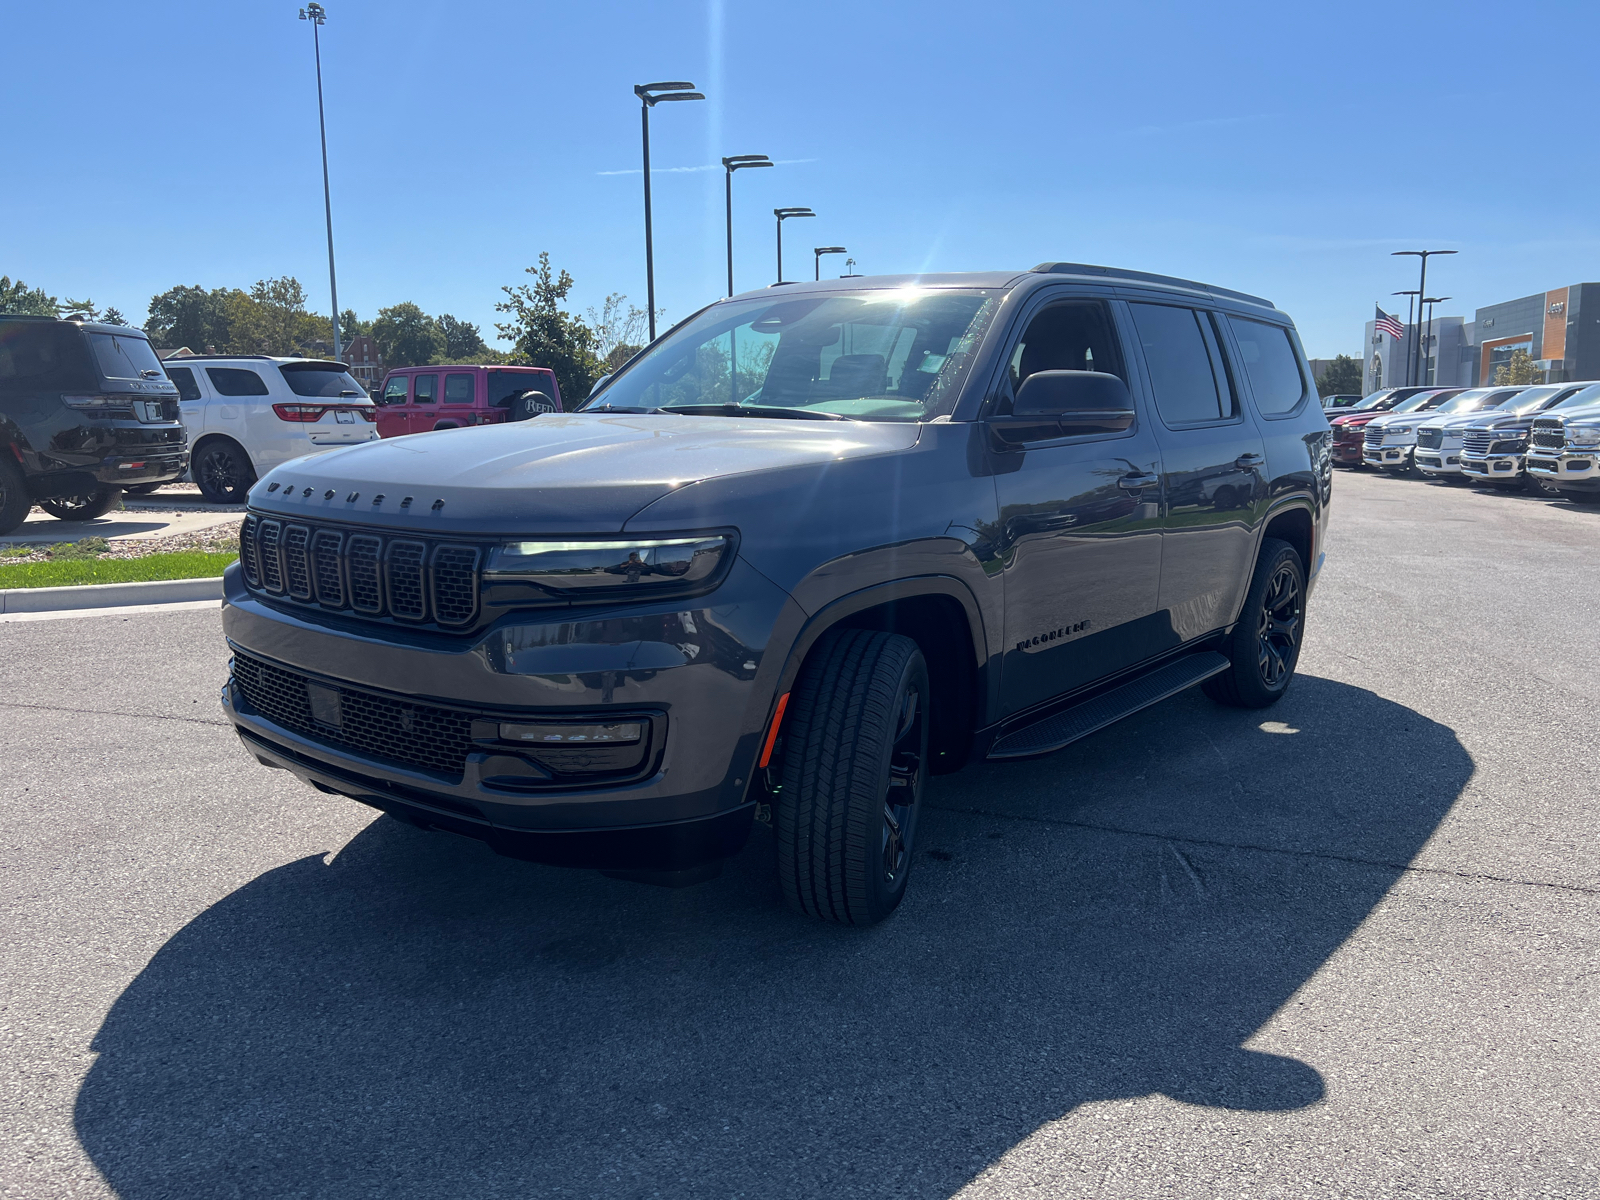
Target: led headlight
590,568
1583,435
1398,429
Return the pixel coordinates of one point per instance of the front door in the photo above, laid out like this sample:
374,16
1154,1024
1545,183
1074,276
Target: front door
1079,529
424,410
1214,466
393,408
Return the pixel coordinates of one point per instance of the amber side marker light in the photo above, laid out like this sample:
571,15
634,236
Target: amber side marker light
772,733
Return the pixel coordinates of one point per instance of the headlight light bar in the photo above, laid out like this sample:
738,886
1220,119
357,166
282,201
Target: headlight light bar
584,568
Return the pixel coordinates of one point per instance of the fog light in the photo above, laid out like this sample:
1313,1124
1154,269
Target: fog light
572,735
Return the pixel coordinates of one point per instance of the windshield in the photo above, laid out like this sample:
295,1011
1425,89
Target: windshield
1420,400
327,380
1588,395
1470,400
1380,401
1528,401
882,355
124,356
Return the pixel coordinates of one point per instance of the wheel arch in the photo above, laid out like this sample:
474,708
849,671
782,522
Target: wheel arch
1293,523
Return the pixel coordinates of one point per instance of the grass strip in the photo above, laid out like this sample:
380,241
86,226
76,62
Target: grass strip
183,564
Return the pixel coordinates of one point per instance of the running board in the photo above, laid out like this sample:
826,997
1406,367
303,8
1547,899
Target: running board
1067,726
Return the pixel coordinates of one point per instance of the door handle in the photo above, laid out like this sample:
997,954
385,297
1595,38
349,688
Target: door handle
1246,461
1134,482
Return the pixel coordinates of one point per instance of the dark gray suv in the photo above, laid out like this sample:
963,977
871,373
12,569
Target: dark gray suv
812,545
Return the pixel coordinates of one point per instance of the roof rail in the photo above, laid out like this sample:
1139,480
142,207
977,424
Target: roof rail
1065,268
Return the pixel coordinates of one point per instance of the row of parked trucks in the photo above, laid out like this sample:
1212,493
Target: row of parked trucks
1544,436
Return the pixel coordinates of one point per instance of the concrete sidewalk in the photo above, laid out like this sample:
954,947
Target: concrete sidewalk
130,524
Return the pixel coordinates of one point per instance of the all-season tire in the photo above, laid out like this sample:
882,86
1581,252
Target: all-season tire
223,472
855,749
1265,645
83,508
14,501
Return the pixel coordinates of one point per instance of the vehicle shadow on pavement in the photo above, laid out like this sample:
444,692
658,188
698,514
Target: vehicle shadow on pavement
419,1018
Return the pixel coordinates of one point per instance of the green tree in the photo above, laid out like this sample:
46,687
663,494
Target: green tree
113,316
545,335
351,326
463,342
407,336
20,299
619,330
192,317
1521,370
1341,378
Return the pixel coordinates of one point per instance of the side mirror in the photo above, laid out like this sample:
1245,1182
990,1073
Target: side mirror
1052,404
600,383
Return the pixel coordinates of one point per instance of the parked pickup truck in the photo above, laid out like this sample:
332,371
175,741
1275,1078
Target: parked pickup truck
1564,451
1492,447
1388,440
1438,449
918,519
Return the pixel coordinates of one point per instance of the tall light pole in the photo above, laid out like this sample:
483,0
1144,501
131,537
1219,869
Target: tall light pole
650,95
819,251
734,163
1427,343
316,14
1422,283
849,269
783,214
1410,301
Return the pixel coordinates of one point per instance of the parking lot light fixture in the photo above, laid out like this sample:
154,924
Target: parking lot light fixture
783,214
316,14
1422,286
819,251
650,95
738,162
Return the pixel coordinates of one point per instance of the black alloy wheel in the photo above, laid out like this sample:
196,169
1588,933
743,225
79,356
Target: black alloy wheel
852,769
223,473
87,507
1264,647
1278,626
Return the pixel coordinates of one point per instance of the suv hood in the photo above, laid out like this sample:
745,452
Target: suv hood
558,473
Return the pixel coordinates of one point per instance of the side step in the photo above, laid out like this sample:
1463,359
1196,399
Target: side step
1065,727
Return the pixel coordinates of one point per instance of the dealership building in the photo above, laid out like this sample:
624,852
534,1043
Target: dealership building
1558,329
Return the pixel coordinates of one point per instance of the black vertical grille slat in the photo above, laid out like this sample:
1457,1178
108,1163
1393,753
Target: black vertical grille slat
271,564
249,560
297,561
455,584
403,560
362,565
327,569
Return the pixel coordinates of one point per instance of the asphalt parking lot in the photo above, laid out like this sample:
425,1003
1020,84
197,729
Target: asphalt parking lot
1345,947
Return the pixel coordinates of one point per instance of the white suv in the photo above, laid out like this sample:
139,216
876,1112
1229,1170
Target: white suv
247,413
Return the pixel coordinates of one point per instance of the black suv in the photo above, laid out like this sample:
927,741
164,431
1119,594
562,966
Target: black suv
85,410
811,545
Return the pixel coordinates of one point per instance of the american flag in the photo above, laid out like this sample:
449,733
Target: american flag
1390,325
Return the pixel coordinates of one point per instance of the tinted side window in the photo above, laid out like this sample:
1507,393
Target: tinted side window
1186,372
188,389
235,381
35,356
394,392
1271,364
426,390
1068,337
459,389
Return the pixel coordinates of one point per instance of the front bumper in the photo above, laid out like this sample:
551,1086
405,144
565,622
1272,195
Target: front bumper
1578,470
1446,460
1389,457
1492,467
1347,453
703,698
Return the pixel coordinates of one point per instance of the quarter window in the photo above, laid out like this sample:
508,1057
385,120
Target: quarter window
458,389
188,389
426,390
1186,369
1271,364
236,381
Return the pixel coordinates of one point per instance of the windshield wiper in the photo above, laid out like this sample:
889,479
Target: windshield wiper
752,410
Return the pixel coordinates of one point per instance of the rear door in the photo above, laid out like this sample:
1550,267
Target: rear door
458,404
193,398
1213,465
1079,523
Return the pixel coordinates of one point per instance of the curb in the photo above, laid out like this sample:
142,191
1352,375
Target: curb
108,595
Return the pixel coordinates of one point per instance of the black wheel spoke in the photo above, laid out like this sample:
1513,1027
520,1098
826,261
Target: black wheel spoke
1278,625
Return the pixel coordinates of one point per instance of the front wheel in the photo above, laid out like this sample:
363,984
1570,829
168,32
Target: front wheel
83,508
223,472
1265,645
855,749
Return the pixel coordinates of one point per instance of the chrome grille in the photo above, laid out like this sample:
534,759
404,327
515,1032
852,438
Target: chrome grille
413,735
410,579
1477,442
1547,435
1374,438
1430,439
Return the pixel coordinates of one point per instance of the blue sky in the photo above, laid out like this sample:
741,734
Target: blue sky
1256,146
